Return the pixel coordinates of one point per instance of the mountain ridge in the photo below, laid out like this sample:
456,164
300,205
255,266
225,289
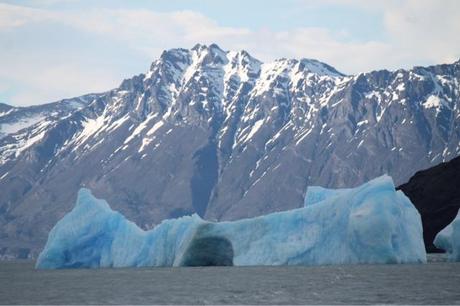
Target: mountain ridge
222,134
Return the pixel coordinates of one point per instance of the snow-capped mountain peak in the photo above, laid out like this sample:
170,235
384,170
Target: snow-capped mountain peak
224,135
318,67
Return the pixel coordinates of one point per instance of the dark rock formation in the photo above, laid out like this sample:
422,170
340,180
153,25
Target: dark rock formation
436,194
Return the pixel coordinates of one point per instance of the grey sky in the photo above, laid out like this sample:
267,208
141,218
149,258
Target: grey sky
53,49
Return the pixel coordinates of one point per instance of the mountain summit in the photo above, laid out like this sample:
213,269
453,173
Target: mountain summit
221,134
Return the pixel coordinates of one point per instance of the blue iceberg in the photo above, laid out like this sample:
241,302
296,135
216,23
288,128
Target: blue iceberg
372,223
317,194
449,239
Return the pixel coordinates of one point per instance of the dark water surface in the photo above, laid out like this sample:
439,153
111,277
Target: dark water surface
434,283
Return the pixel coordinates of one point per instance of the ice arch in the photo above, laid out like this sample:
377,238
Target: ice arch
209,251
372,223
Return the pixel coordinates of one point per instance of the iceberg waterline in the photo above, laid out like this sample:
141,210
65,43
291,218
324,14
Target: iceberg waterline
449,239
372,223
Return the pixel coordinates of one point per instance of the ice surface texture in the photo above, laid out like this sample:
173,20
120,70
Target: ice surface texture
316,194
372,223
449,239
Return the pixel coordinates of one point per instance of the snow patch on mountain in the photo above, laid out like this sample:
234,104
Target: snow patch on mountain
11,128
434,102
229,131
154,128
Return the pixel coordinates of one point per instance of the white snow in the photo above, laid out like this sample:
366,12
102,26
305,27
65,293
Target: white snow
140,128
3,176
268,74
145,143
197,58
29,142
11,128
379,115
434,102
257,125
155,128
117,123
317,67
238,68
400,87
7,112
90,127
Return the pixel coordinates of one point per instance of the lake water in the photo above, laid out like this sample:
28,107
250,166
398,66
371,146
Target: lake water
437,282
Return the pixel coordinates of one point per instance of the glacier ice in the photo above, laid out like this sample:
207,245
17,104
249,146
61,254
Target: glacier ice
316,194
372,223
449,239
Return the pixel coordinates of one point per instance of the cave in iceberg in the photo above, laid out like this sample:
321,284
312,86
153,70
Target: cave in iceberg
449,239
372,223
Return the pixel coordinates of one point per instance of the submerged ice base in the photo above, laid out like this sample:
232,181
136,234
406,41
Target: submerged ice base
372,223
449,239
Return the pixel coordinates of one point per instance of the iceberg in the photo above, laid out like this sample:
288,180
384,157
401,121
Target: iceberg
317,194
372,223
449,239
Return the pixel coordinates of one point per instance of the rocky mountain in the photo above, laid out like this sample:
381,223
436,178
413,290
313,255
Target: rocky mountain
436,194
13,119
226,136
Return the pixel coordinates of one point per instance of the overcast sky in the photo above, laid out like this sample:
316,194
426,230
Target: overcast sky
54,49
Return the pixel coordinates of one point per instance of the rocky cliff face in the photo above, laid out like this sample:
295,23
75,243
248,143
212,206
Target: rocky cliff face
436,194
224,135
